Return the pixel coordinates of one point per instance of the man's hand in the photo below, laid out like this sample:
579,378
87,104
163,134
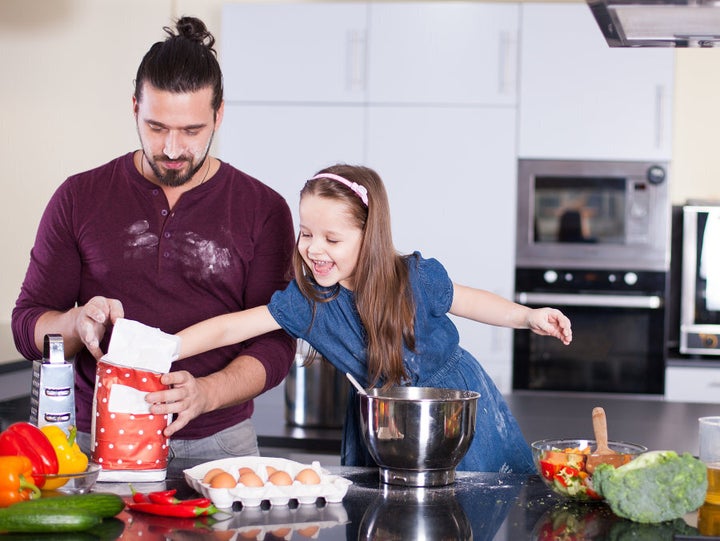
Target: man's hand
189,397
93,319
186,398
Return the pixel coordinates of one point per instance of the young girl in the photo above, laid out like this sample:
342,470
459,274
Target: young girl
382,316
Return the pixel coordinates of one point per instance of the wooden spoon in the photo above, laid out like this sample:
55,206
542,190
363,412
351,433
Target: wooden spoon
602,454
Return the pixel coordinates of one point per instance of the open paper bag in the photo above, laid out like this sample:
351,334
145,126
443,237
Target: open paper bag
128,440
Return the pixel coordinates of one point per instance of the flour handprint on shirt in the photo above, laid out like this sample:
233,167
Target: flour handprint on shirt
200,256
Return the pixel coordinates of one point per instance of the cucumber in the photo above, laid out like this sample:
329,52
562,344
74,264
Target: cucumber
100,504
86,535
38,520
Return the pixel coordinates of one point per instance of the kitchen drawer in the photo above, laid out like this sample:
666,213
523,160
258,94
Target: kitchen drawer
692,384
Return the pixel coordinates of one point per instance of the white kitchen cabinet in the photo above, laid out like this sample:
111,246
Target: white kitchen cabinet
283,145
692,384
581,99
352,52
436,117
442,52
294,52
450,175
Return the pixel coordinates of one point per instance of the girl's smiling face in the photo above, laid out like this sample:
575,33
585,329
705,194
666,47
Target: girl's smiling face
329,240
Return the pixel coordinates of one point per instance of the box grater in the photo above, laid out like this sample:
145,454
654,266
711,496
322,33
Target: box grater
52,398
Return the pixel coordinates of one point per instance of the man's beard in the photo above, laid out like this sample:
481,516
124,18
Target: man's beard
172,177
175,177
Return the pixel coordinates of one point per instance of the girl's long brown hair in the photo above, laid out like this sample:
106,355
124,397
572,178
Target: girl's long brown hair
382,287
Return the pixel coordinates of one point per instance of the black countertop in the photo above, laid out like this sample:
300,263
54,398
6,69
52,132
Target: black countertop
478,506
649,420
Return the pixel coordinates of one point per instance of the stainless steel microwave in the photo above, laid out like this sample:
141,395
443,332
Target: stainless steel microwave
593,215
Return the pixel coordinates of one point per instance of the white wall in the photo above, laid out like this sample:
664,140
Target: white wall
67,80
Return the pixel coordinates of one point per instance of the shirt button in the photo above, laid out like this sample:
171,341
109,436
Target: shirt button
164,212
166,254
167,235
155,192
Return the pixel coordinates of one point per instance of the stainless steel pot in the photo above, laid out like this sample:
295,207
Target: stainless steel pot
316,394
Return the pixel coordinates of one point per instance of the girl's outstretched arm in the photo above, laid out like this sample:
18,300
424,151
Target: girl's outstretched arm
486,307
225,330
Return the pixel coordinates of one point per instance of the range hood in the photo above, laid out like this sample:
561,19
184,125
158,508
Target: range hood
658,23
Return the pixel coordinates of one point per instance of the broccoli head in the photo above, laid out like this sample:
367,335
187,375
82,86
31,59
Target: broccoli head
655,487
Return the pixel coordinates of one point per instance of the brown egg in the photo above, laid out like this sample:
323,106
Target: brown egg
245,469
310,531
211,473
270,470
223,480
281,532
308,476
251,479
280,478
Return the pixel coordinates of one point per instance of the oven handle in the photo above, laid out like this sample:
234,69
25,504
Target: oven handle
569,299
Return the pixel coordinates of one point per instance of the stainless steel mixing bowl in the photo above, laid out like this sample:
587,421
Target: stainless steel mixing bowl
418,435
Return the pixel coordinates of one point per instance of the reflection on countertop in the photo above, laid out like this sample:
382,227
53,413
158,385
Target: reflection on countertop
478,506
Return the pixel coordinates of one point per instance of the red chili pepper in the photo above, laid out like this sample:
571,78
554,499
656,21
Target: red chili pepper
197,502
165,496
173,510
137,497
26,439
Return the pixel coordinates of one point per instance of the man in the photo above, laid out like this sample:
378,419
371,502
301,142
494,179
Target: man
166,235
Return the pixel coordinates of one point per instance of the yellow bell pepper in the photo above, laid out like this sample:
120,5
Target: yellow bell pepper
70,458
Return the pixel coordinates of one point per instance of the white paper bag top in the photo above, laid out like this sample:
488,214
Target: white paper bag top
137,345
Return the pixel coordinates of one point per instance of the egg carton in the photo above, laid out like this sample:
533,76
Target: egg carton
332,488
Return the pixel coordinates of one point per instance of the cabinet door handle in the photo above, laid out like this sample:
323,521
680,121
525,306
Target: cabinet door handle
659,115
355,60
506,64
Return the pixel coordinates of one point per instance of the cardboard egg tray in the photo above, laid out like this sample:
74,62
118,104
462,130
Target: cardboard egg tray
332,488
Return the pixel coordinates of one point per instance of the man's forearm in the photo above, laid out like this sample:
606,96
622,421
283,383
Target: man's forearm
242,380
54,322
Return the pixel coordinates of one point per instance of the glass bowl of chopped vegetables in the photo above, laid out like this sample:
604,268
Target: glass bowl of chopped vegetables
562,464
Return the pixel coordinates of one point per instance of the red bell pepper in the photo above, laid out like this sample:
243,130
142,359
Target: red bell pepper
15,480
26,439
549,469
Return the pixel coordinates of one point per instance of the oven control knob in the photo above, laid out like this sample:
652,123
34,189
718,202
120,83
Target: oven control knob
550,276
612,278
568,277
630,278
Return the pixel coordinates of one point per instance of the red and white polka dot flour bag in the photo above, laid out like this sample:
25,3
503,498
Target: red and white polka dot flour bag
127,440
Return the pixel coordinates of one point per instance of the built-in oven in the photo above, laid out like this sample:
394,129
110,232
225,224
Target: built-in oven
700,282
618,323
593,240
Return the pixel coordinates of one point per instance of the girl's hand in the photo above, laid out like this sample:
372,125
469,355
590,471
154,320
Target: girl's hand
550,322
